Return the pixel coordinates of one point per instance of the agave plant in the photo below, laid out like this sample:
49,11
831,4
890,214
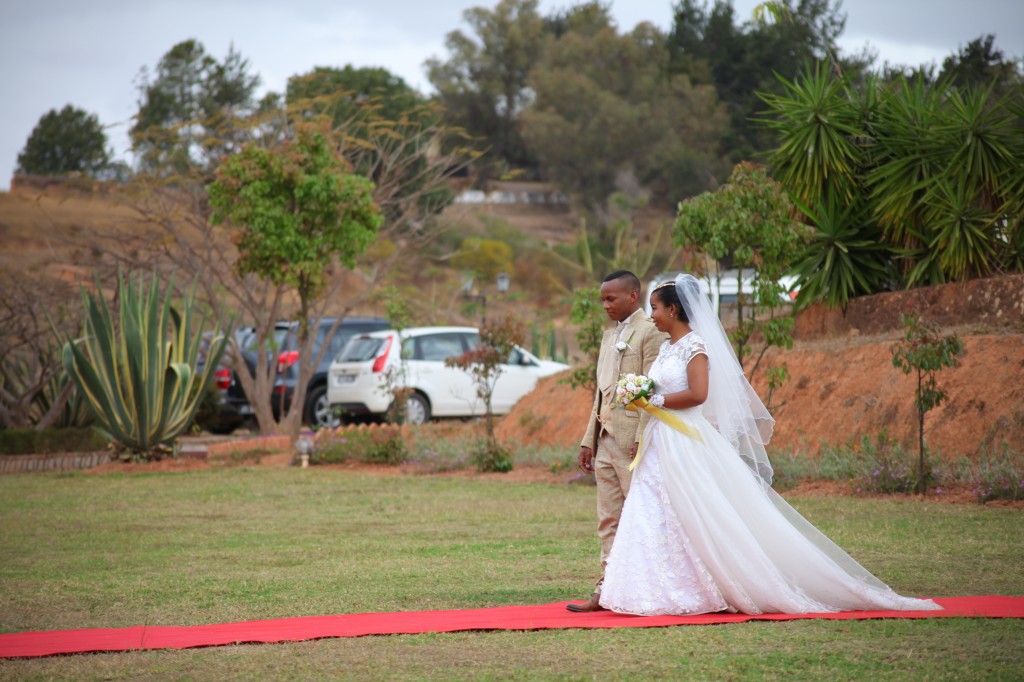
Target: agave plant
844,258
924,176
907,158
1011,223
962,231
982,142
138,374
819,127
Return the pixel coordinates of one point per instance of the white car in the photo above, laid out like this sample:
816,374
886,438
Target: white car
357,379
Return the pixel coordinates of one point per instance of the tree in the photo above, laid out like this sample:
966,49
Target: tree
33,388
483,258
584,17
845,257
605,112
924,352
407,160
388,132
749,223
299,209
979,64
483,83
815,23
642,254
343,93
188,112
484,364
591,320
742,58
816,125
67,141
904,180
410,188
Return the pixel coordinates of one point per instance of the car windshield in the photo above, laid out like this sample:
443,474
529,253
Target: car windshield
360,349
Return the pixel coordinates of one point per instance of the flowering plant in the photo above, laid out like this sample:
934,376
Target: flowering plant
632,386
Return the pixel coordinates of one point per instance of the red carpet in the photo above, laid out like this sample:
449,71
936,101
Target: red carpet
547,616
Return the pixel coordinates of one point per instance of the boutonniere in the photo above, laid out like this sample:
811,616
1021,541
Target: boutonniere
623,344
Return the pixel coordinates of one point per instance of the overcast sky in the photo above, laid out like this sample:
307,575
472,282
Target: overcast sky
88,54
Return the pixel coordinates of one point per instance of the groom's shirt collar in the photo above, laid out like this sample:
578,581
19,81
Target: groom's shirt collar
638,311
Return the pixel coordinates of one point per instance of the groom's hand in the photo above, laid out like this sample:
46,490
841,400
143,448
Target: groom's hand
586,460
632,451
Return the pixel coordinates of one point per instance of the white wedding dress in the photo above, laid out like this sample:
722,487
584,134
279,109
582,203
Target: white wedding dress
700,533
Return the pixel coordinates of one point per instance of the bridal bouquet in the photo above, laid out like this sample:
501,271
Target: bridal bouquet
632,386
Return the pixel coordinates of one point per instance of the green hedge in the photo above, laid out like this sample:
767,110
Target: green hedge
32,442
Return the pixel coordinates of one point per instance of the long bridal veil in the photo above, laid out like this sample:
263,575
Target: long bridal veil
732,406
736,411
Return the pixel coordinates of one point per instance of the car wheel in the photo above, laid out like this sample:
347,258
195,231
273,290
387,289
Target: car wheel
318,410
223,427
417,409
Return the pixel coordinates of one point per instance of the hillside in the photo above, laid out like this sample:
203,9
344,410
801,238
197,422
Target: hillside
61,231
46,233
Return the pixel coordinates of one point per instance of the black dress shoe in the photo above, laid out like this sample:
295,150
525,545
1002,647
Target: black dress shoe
589,606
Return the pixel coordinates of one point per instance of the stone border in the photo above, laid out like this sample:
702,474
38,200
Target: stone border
15,464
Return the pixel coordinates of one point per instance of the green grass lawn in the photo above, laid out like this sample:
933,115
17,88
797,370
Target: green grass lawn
82,550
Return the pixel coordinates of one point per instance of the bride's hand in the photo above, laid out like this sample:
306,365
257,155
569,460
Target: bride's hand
633,450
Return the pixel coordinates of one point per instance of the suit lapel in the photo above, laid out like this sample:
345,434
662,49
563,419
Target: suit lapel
608,361
625,335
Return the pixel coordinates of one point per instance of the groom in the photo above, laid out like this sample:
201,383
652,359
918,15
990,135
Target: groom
630,347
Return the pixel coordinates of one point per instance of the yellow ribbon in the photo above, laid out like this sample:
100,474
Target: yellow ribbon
665,417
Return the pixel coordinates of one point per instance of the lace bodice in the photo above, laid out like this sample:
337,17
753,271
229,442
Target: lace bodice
669,368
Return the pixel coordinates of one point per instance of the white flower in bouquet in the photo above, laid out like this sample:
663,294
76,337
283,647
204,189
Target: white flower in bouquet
632,386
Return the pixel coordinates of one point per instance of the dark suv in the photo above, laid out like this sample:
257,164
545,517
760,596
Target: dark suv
234,405
317,411
231,408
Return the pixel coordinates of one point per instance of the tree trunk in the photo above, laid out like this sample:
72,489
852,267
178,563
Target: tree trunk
491,440
53,413
258,387
920,441
739,317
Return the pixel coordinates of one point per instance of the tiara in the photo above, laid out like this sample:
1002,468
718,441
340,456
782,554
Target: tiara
670,283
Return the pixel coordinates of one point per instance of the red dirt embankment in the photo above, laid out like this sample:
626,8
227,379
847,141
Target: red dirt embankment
842,383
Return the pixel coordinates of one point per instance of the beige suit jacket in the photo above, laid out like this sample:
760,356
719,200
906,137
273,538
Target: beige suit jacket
643,341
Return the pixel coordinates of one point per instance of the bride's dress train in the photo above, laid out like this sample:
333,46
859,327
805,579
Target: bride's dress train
700,533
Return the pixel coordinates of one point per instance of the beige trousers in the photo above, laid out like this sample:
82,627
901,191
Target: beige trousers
611,469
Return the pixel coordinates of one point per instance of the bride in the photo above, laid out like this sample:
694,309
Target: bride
702,530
